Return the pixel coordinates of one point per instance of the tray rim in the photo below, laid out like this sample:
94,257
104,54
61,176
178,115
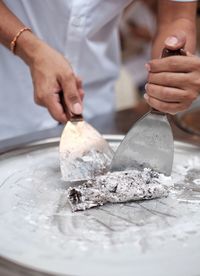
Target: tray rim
111,138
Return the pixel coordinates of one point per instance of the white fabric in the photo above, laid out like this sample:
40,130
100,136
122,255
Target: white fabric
85,31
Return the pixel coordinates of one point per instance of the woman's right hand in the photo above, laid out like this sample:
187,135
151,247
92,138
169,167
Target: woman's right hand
52,74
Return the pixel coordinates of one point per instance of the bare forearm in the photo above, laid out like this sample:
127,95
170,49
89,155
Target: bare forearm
173,82
174,18
51,72
9,27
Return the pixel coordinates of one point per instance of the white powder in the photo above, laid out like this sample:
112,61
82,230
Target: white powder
181,171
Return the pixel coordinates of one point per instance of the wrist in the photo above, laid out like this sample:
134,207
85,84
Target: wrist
27,46
183,25
174,30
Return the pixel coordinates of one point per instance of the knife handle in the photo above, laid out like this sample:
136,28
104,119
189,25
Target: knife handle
168,53
73,117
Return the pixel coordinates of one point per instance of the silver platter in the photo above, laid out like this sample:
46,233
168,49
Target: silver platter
190,126
39,231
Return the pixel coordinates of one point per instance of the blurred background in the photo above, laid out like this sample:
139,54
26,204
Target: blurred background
137,28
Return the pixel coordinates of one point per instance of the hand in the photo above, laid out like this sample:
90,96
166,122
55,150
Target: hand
173,82
51,74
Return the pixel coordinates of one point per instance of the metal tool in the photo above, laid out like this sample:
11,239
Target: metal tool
84,153
149,143
34,208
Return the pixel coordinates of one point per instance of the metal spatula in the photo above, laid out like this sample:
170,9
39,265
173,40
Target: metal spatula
149,143
84,153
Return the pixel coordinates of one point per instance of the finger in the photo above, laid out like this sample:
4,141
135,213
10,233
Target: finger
182,64
189,54
176,41
80,88
38,96
167,94
52,102
63,104
178,80
79,83
82,94
171,108
71,94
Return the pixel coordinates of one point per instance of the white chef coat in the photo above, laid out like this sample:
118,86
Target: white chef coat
85,32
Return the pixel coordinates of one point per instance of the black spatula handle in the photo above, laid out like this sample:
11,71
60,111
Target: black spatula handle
73,117
168,53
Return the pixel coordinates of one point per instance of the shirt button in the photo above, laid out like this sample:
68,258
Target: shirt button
77,21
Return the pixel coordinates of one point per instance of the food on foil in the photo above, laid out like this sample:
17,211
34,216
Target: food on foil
84,153
115,187
87,166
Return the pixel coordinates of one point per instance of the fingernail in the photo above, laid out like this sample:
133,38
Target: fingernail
77,108
146,85
146,97
171,41
147,66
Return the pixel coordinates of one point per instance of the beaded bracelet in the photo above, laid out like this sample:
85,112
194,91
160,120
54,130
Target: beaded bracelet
14,41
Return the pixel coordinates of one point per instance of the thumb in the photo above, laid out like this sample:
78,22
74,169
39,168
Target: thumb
176,41
72,98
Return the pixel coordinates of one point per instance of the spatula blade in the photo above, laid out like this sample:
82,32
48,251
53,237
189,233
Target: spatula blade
84,153
149,144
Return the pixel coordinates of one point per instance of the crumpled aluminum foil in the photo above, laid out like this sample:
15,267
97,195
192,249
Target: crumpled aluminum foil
116,187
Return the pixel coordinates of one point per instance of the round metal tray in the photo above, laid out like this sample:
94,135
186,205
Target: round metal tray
39,231
189,120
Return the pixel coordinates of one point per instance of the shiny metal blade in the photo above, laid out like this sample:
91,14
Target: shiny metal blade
148,144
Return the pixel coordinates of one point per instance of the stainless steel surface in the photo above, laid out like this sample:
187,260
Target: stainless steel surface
193,125
23,140
11,268
38,230
149,144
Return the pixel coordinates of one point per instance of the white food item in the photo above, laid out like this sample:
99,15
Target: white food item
116,187
84,153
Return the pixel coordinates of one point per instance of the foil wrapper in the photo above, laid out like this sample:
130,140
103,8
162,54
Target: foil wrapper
116,187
